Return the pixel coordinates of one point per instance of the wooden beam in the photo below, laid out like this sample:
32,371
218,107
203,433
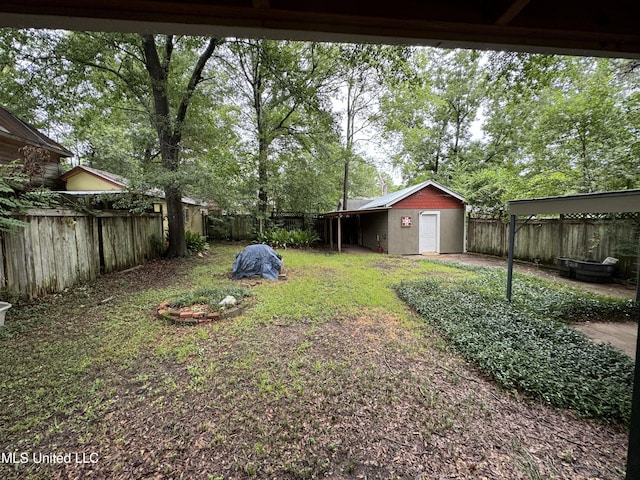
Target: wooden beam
512,12
604,202
331,233
443,24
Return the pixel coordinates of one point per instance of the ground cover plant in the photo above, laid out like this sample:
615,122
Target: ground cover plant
526,348
328,375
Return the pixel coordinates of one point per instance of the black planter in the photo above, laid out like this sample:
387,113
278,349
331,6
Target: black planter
586,271
564,269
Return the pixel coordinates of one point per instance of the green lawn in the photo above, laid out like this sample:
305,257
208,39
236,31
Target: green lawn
328,374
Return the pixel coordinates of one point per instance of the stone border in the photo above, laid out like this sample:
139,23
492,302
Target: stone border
197,314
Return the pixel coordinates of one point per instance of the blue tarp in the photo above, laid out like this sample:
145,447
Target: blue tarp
257,260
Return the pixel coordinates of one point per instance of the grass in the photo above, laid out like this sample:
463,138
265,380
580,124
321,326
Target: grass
328,371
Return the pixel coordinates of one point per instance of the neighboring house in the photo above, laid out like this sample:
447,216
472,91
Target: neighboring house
86,181
424,218
16,134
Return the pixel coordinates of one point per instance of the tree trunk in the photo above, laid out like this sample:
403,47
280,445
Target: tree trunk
345,184
263,175
170,133
175,217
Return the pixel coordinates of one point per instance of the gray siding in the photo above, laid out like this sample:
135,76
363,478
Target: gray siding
374,225
452,230
406,240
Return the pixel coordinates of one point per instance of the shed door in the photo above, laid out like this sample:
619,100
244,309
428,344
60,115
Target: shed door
428,233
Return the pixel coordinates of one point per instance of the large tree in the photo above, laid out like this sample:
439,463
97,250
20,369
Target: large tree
363,72
160,74
279,89
430,117
169,120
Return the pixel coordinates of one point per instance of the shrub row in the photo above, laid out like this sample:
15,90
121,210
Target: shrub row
522,350
280,238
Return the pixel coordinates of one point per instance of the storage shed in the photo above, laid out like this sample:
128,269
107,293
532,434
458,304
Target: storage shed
424,218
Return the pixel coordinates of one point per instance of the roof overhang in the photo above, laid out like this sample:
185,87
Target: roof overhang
621,201
589,27
348,213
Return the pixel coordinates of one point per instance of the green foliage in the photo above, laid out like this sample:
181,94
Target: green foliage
14,199
430,119
209,295
535,296
157,244
281,238
195,243
525,350
131,201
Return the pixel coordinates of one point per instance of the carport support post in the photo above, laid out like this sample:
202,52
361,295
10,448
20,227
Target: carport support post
512,242
633,451
331,233
339,233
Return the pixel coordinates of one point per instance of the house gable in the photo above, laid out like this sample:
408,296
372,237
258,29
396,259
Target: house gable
430,197
82,179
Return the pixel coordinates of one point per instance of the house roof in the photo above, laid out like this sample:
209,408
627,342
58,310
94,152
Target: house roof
387,201
116,180
619,201
108,177
18,131
354,203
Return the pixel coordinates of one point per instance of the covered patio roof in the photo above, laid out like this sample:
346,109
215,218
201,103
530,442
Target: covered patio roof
586,27
621,201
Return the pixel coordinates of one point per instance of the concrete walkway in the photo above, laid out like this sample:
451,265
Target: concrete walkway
622,335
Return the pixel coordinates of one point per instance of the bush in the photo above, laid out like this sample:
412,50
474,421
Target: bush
522,350
195,243
280,238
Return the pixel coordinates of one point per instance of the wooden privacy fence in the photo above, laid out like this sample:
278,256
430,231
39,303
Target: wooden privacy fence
544,240
246,227
60,248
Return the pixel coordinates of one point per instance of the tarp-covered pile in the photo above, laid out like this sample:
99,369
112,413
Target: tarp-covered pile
259,260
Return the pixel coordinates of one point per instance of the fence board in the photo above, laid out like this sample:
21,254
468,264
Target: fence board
543,240
31,231
47,255
59,248
244,227
59,256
